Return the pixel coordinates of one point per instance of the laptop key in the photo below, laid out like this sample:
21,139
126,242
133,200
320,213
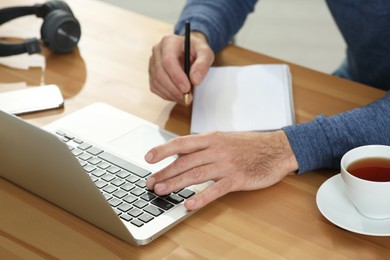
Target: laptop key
110,188
77,152
137,191
94,160
127,186
124,164
113,169
140,203
186,193
84,146
108,177
107,196
98,172
89,168
141,183
69,136
161,203
122,174
118,182
104,165
114,202
117,211
94,150
137,223
63,139
132,178
130,198
78,141
148,196
84,156
126,217
135,212
125,207
145,218
82,163
100,184
120,193
61,133
155,211
174,198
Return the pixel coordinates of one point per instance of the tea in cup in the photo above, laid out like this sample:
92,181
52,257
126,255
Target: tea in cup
365,171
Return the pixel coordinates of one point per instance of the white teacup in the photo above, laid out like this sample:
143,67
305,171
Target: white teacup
370,197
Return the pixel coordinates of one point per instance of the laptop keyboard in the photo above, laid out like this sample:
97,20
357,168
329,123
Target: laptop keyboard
122,183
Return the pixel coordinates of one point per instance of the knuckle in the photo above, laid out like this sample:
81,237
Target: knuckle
166,61
175,78
197,173
182,162
215,134
155,49
178,141
158,75
166,38
154,85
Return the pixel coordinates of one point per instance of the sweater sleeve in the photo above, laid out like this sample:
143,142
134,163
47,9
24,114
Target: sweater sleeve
218,20
322,142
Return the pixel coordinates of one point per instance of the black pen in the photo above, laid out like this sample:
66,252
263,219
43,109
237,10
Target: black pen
187,48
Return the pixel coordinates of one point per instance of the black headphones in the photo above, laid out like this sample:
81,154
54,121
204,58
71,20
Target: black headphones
60,30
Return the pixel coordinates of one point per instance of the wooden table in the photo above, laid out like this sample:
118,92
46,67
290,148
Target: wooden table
111,66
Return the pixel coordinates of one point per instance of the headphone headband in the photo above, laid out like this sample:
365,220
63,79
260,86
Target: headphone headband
10,13
60,30
30,46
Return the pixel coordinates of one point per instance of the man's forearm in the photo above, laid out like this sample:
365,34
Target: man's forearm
321,142
218,20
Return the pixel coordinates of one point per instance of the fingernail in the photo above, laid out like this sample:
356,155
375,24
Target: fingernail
148,156
160,187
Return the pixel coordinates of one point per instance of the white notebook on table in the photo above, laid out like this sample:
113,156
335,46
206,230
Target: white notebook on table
243,98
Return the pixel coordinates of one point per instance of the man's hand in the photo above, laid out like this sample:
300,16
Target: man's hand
235,161
166,70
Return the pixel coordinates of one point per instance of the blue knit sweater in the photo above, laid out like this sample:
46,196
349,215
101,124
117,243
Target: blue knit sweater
366,30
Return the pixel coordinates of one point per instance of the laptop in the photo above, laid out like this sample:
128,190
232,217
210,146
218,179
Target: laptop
91,163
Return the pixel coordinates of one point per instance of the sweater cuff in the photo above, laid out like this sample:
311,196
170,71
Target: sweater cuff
199,26
310,145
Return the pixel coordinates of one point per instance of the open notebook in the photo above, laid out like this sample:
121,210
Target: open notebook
243,98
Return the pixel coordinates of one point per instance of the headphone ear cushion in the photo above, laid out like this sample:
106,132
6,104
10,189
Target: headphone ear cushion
60,31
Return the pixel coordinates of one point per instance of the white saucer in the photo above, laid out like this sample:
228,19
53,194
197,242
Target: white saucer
334,204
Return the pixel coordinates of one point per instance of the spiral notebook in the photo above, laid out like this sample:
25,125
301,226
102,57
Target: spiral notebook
244,98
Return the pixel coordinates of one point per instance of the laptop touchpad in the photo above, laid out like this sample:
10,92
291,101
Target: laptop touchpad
136,143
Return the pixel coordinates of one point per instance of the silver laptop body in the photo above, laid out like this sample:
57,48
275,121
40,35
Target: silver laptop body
40,162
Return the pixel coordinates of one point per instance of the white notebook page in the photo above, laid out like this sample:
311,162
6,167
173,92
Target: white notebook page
243,98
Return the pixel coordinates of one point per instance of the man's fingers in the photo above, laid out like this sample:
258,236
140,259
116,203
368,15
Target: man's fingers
166,76
172,54
175,179
211,193
178,145
201,66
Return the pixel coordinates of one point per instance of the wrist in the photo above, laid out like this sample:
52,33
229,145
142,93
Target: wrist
291,162
199,36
